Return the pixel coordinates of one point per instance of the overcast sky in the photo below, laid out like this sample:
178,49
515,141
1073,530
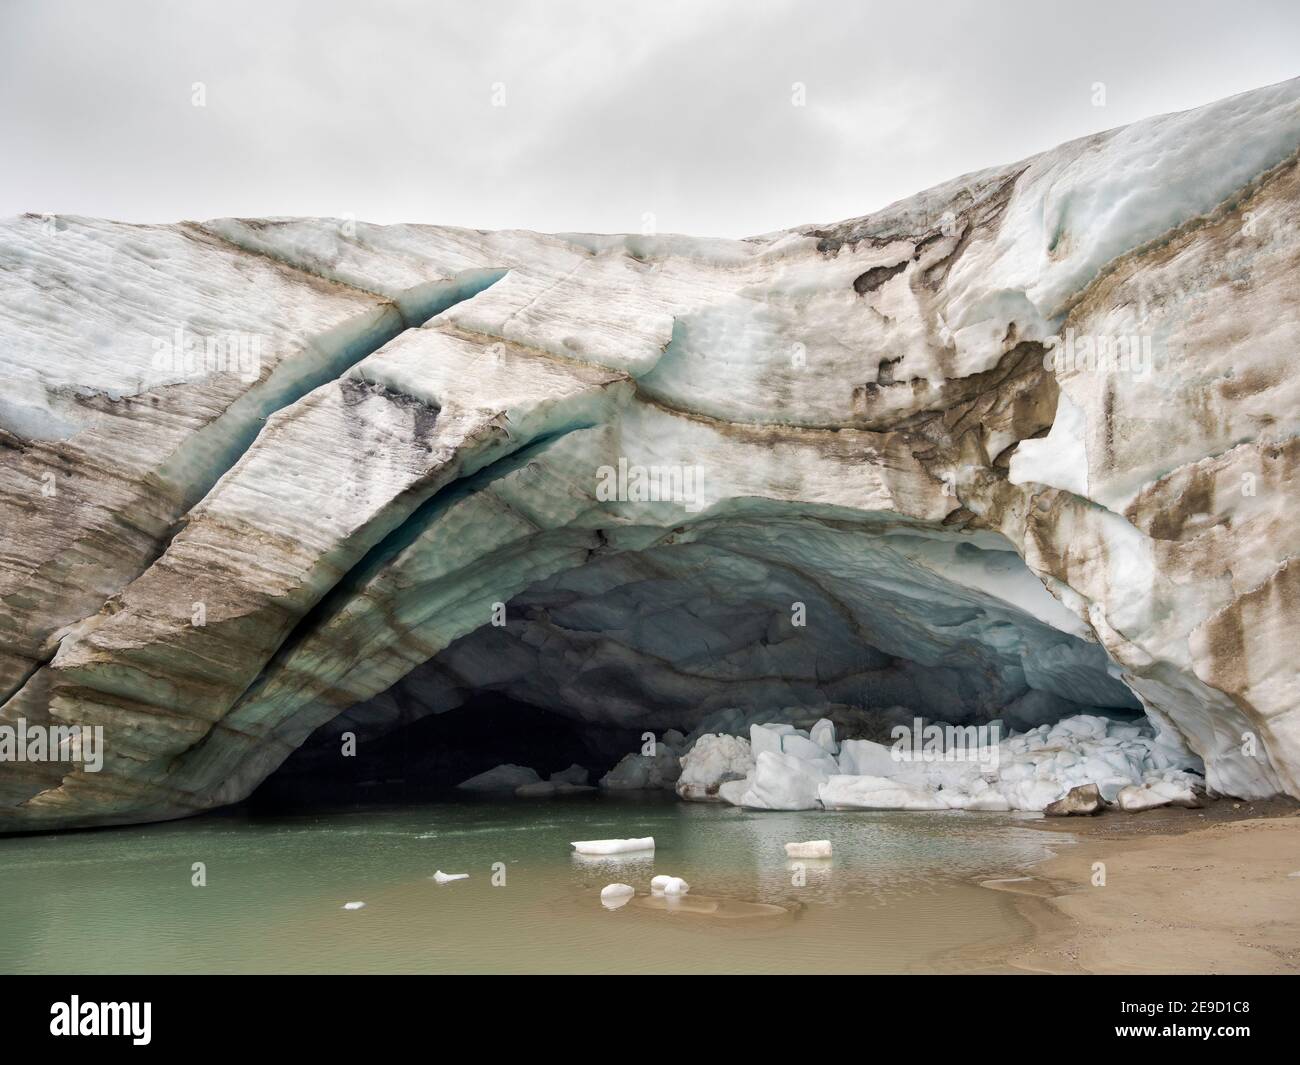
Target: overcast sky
388,111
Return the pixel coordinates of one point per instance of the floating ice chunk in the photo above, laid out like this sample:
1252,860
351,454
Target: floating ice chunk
353,905
669,885
447,878
614,846
817,848
612,896
505,777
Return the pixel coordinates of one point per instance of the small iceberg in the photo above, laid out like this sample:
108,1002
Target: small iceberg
815,848
613,846
447,878
669,885
353,905
612,896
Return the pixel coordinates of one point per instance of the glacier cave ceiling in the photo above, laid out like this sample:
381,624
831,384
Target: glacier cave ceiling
767,610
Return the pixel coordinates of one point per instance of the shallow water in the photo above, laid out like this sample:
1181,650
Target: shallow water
899,895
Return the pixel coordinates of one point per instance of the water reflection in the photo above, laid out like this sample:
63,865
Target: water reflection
899,893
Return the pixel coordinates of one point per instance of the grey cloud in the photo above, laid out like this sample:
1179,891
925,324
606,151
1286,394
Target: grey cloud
613,110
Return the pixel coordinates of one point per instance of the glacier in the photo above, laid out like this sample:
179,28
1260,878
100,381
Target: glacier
270,483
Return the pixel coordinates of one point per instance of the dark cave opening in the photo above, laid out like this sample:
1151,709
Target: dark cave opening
427,758
778,621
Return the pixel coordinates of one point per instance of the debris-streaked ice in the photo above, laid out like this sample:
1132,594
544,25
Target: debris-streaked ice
860,418
713,760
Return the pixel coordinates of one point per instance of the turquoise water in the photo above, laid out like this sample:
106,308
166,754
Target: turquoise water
899,895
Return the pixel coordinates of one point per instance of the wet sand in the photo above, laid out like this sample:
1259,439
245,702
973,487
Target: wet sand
1185,891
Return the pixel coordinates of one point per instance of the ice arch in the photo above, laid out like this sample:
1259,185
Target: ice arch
211,568
767,610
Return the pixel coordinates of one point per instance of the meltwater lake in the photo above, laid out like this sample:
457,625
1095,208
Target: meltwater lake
900,894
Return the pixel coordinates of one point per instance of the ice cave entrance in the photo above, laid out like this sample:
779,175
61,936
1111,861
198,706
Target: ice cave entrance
771,617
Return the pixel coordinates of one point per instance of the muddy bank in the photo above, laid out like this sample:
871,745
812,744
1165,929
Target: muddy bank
1167,891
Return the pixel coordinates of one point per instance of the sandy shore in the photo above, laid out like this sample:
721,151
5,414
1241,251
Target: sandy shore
1184,892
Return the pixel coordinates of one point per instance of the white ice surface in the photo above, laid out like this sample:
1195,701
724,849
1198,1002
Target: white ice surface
1088,202
614,846
713,759
447,878
612,896
1060,459
1023,772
